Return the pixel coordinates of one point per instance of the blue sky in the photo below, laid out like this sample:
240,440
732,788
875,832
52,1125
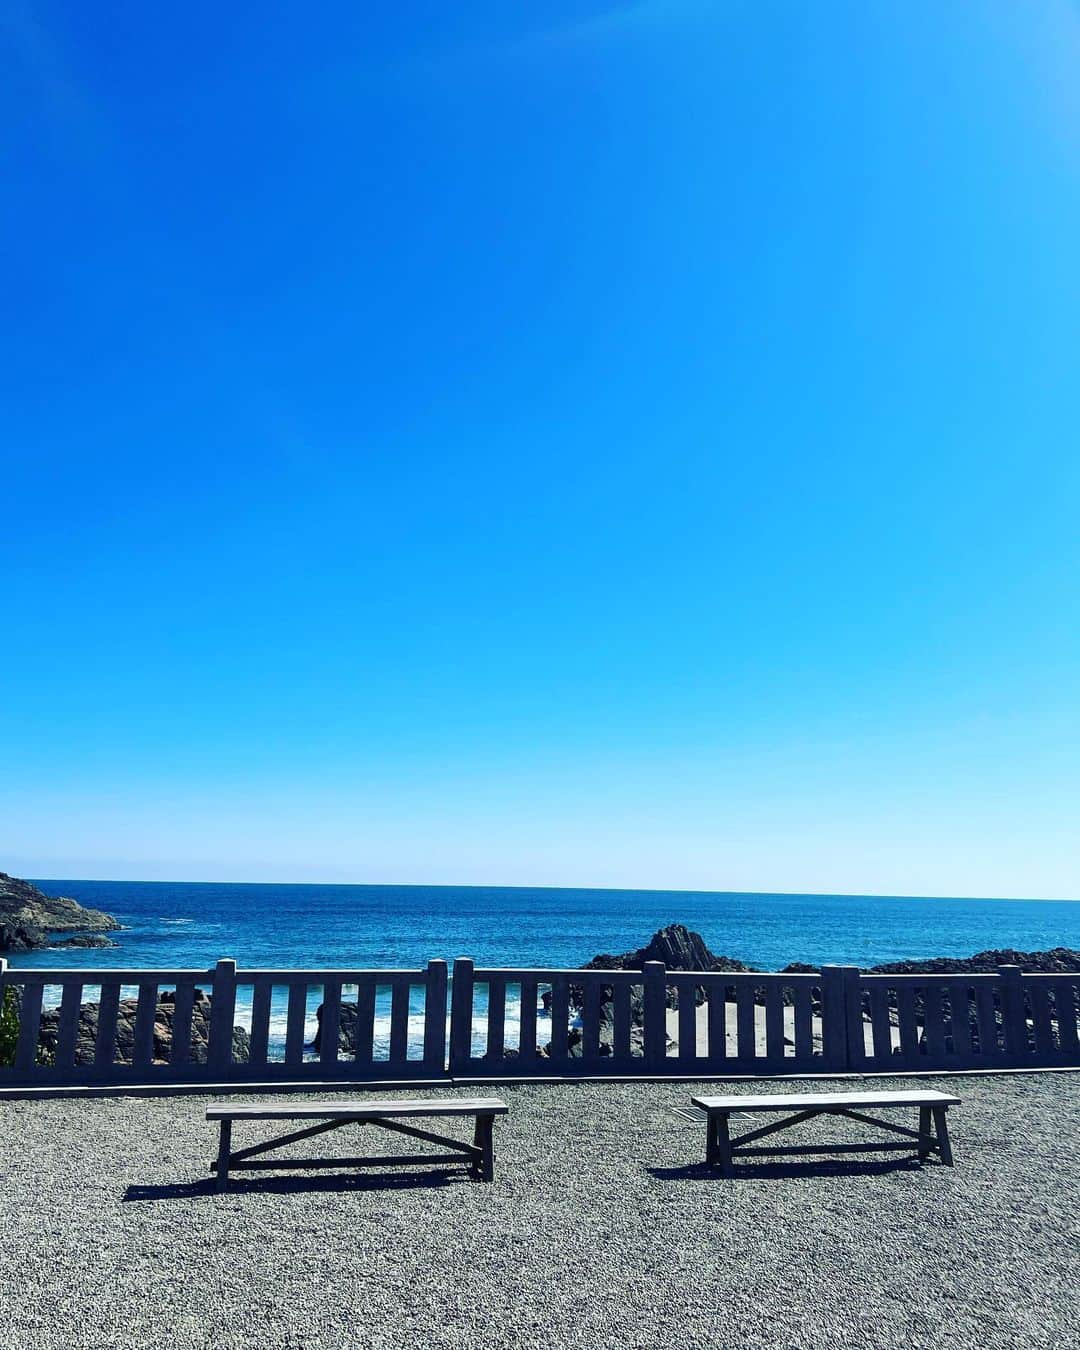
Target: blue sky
603,444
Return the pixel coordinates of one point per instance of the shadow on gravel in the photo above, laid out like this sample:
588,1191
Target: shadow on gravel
297,1185
773,1171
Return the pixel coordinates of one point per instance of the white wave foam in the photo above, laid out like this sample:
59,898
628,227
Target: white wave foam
381,1026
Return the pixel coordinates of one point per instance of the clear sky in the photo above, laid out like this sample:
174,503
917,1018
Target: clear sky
576,443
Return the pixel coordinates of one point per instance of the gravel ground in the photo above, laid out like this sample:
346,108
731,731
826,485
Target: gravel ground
601,1229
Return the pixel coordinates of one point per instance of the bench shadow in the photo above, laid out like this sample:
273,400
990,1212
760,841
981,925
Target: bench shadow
743,1171
335,1182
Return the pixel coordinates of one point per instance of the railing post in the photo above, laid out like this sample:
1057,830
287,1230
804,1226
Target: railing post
461,1015
839,989
435,1017
654,1012
222,1013
1013,1018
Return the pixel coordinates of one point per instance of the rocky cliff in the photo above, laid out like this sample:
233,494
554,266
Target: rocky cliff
29,919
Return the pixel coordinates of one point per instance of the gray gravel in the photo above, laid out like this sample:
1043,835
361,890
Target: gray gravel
601,1230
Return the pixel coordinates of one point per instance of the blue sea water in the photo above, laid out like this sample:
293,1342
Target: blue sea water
192,924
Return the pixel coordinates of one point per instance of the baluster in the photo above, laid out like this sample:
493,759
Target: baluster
1040,1008
804,1022
960,1020
145,1015
261,993
715,995
365,1019
294,1027
590,1018
399,1021
909,1027
934,1026
560,1017
746,1019
881,1026
329,1027
774,1023
1065,1000
26,1045
687,1019
620,1014
108,1008
496,1019
985,1020
70,1008
527,1036
180,1050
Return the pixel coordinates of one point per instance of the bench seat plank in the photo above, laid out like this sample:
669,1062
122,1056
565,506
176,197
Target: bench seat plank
824,1101
358,1110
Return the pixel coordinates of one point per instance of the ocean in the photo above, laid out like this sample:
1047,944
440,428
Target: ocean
193,924
190,925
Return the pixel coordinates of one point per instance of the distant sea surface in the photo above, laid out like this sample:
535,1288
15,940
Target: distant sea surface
190,925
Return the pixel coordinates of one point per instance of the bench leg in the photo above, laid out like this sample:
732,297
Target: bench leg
484,1139
712,1151
720,1150
926,1138
942,1131
224,1149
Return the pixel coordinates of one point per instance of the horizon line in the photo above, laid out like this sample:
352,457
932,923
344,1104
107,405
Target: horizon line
500,886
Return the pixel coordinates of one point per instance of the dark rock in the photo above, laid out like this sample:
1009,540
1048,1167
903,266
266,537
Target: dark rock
348,1017
28,917
17,937
85,940
1058,959
86,1033
1055,961
677,947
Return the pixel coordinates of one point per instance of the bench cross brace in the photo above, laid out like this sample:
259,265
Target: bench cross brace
479,1154
721,1149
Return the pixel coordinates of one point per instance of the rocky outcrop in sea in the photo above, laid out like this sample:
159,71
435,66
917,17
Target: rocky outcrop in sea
679,949
30,919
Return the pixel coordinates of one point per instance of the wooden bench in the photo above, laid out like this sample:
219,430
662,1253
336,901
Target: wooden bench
388,1115
721,1149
